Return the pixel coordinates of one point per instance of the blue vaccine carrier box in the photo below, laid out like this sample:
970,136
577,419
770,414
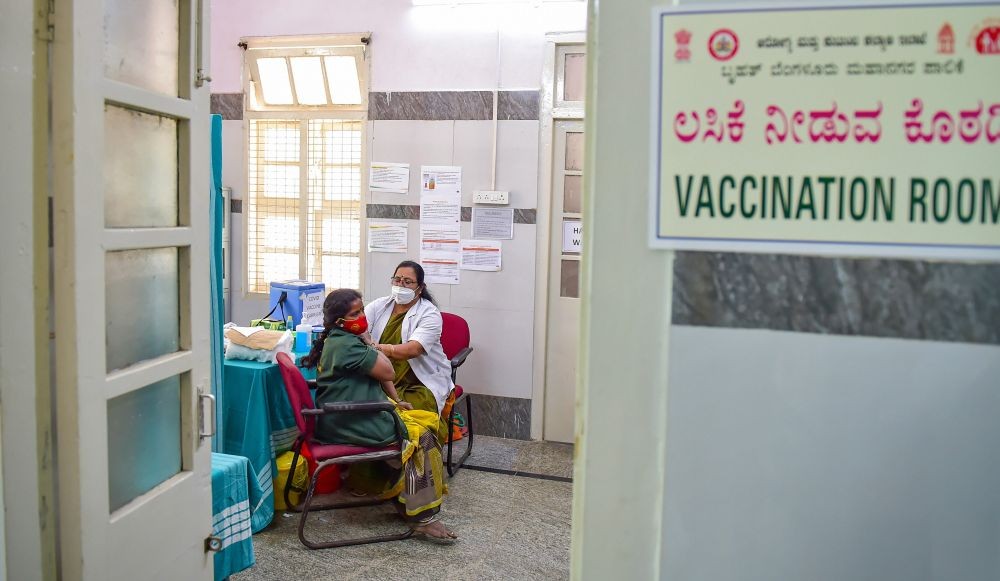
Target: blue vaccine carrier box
295,291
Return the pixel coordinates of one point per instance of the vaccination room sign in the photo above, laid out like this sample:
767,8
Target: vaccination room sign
858,130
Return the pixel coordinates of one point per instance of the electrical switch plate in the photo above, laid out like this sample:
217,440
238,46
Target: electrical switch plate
490,197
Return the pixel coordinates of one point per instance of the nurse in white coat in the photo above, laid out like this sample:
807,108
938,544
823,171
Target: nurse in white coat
406,326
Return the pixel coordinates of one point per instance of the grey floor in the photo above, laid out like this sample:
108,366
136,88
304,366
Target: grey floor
511,526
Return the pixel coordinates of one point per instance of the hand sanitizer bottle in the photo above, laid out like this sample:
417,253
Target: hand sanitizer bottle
303,337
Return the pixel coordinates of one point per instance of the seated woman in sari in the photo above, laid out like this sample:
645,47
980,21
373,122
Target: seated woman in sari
350,369
406,326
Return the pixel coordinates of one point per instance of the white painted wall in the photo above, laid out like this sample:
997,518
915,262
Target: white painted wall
417,48
798,456
413,49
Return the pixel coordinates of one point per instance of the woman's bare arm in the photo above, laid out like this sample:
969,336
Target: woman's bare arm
407,350
382,370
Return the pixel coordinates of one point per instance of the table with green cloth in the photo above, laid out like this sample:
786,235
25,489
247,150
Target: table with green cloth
233,493
258,423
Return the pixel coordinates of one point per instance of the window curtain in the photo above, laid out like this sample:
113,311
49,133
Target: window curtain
216,213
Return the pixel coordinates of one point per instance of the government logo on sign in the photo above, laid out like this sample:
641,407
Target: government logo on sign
683,38
723,44
985,38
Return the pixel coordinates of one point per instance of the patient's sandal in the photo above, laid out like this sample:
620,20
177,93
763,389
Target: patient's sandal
434,530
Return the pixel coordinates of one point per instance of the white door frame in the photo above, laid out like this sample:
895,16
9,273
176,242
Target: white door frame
23,299
549,112
146,536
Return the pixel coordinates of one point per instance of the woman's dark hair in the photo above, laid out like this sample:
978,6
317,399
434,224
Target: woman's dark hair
337,304
424,292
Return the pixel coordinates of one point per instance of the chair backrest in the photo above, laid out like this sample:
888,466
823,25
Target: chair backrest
298,394
454,334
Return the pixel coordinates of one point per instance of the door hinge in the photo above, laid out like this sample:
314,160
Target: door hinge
45,23
213,544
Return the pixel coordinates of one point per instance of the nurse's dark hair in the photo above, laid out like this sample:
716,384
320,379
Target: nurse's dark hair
424,292
335,307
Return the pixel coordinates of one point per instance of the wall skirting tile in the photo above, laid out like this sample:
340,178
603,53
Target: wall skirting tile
936,301
412,212
421,105
504,417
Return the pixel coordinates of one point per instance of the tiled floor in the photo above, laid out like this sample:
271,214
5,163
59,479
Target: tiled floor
510,526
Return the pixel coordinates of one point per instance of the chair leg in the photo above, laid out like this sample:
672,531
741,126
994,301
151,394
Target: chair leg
454,467
296,448
306,507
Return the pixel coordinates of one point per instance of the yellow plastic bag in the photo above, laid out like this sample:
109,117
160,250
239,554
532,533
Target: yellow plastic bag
299,482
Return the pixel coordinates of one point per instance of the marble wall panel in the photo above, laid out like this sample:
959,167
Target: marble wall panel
840,296
229,105
504,417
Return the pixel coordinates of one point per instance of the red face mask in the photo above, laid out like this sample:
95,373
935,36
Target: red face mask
356,326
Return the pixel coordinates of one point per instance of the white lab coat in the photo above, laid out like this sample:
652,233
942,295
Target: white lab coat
422,323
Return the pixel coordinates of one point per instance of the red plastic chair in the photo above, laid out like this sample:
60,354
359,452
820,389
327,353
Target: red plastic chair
327,455
455,341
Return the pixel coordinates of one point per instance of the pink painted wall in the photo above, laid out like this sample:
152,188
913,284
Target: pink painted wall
415,48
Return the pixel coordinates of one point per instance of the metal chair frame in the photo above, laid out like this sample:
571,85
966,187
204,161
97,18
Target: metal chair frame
456,361
307,418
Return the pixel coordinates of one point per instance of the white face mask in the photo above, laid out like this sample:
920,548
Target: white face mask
403,295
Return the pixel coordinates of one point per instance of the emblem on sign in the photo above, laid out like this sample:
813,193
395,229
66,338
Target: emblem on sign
986,37
946,39
723,44
683,38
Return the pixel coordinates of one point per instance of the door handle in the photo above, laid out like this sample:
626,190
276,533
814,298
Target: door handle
202,432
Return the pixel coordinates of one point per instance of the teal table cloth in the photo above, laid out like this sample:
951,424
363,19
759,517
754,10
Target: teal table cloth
233,493
258,424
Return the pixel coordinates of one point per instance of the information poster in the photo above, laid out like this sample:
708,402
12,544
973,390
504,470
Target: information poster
387,236
572,241
869,130
440,208
439,238
440,179
493,223
484,255
440,268
387,177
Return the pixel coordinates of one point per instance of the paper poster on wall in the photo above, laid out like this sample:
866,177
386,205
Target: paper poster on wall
572,242
438,208
492,223
865,130
387,236
484,255
441,179
388,177
440,238
312,308
440,268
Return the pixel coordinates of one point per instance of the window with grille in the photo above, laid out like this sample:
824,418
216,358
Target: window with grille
304,218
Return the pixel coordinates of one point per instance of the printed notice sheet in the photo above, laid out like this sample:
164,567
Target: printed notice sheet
440,238
440,208
481,255
393,178
312,308
493,223
440,252
440,268
572,236
387,236
440,179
